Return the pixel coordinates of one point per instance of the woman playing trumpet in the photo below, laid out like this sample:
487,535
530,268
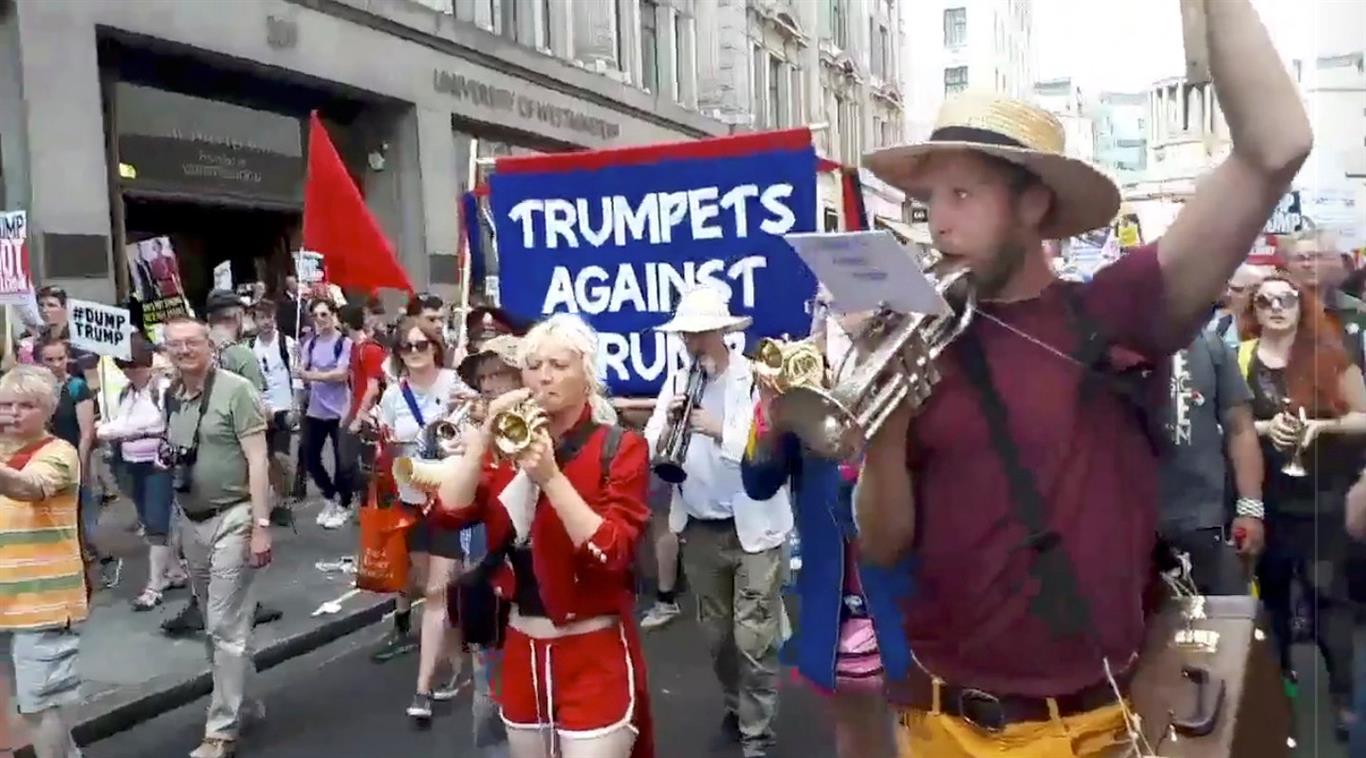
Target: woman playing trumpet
1309,401
567,509
425,393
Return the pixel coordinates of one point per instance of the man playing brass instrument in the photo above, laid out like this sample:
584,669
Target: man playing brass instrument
733,545
1026,485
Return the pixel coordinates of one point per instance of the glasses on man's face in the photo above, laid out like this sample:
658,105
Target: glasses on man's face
182,346
1282,301
416,346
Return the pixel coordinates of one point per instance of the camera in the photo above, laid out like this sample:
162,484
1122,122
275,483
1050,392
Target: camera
180,462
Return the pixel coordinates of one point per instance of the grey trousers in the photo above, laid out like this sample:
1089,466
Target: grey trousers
739,601
218,551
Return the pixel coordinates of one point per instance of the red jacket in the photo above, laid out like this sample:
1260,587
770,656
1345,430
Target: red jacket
594,579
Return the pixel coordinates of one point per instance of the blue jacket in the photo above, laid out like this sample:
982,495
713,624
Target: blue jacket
825,524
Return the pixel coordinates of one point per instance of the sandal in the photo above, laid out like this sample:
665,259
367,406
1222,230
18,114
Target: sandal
148,600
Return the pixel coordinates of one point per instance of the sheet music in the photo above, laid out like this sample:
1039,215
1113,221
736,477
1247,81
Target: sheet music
866,270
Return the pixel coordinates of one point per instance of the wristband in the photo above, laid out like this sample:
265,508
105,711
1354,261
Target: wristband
1248,507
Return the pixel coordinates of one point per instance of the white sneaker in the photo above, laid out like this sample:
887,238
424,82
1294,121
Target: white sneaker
659,615
326,514
339,518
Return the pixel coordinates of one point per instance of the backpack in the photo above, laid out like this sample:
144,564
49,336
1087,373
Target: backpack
280,342
337,348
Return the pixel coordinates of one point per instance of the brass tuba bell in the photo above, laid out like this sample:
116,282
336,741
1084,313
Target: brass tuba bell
420,474
782,365
899,365
515,428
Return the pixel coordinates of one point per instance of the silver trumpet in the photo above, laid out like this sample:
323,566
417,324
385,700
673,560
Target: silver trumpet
1295,466
899,366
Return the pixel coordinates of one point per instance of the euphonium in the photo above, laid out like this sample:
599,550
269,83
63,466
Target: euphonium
421,474
899,365
783,365
672,448
515,428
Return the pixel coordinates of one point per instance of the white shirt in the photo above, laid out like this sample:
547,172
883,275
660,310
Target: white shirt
279,375
139,414
714,489
406,432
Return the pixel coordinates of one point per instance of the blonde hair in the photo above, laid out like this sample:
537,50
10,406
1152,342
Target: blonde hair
574,333
32,382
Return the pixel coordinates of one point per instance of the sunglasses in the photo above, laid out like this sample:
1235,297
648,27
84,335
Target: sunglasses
1284,301
322,314
418,346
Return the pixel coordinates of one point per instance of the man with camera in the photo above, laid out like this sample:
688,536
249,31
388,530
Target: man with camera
217,452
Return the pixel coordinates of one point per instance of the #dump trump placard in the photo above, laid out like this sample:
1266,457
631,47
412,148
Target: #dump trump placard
617,236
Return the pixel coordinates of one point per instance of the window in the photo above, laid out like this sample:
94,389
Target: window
955,79
758,67
649,46
678,59
840,25
508,19
884,46
831,221
877,132
796,97
617,26
545,24
955,27
776,112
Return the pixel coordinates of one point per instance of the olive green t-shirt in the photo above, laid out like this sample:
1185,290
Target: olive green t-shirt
220,473
240,360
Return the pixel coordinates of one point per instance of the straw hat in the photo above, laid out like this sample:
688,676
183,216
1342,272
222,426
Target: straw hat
505,347
704,309
1024,134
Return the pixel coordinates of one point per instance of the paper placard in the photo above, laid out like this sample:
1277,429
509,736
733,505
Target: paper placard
16,284
865,271
101,329
222,276
308,266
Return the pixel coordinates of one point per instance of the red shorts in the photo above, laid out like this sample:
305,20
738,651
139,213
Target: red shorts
581,683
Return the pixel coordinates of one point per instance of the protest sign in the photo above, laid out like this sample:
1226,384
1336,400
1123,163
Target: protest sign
222,276
155,274
308,267
617,236
101,329
16,282
1287,218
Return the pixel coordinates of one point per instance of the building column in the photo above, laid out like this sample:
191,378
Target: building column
67,162
595,32
442,178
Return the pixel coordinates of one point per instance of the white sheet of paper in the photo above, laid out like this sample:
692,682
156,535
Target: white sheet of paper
867,270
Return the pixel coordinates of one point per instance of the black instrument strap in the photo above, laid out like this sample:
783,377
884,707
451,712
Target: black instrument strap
173,392
1059,602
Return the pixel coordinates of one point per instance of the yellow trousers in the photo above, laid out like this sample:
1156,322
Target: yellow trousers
1094,734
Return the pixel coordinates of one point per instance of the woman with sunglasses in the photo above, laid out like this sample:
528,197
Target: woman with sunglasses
567,514
1309,402
423,395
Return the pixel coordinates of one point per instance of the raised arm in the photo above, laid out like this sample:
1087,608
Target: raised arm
1271,139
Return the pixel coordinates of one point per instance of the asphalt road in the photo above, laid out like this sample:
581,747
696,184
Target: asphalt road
335,702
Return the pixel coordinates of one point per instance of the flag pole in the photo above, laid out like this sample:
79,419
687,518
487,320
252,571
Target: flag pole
472,177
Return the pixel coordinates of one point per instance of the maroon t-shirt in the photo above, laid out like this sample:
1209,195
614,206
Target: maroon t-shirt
969,620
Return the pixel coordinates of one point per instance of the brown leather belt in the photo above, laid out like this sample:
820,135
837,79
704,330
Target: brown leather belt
993,713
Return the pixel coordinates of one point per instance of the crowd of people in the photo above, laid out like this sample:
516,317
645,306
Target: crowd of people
974,574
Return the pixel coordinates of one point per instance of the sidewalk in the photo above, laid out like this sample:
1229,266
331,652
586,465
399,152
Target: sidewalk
132,671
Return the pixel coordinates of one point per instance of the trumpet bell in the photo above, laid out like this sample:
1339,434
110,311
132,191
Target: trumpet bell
421,475
513,430
818,419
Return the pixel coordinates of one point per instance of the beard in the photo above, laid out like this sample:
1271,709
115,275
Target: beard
993,276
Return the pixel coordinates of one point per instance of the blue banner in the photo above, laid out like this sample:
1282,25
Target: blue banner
617,236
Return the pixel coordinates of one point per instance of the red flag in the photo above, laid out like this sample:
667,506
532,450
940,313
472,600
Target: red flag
339,225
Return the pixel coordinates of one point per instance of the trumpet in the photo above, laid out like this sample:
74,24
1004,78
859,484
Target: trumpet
515,428
421,474
899,367
672,448
782,365
1295,466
